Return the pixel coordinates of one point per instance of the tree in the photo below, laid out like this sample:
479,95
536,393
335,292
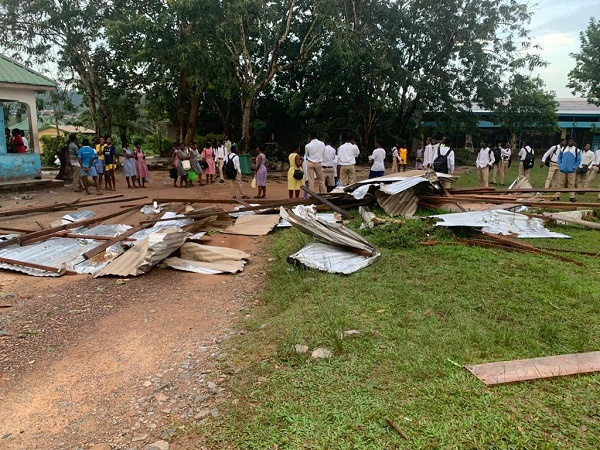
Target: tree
45,31
267,38
527,106
584,79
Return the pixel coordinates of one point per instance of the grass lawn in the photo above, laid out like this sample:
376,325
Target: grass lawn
422,313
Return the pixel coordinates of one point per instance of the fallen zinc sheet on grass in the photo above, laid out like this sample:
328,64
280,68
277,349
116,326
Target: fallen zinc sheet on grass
499,221
340,249
536,368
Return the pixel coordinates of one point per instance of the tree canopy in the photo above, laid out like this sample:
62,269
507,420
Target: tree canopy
584,79
366,67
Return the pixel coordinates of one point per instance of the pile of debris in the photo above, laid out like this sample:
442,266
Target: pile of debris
84,244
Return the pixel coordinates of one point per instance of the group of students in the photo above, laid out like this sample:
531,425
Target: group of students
188,162
323,167
16,142
568,166
100,163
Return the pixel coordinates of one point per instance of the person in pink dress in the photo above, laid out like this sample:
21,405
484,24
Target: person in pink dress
208,155
140,164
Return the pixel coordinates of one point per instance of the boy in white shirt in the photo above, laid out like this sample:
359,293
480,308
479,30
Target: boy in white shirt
485,160
377,159
587,160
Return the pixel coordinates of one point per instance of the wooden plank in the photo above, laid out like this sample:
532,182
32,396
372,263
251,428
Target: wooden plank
99,249
51,231
15,262
536,368
16,230
326,202
39,209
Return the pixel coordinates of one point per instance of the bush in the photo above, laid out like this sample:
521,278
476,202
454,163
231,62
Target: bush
53,145
151,144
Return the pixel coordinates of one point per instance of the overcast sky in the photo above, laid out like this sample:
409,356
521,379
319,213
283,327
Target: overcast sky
556,25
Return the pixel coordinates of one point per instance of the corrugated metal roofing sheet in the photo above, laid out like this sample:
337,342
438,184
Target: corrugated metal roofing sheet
499,221
13,72
328,258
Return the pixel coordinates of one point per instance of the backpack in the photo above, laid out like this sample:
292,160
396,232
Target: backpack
529,160
230,170
440,163
549,158
497,155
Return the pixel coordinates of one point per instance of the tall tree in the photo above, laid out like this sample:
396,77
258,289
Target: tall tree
266,38
171,46
46,31
527,106
584,79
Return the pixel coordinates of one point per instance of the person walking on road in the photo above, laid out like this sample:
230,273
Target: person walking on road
485,160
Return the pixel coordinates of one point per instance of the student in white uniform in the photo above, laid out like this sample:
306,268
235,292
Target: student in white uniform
485,160
505,153
377,159
593,172
587,160
550,159
526,160
328,165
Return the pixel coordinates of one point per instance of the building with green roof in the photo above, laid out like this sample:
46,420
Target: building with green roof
19,84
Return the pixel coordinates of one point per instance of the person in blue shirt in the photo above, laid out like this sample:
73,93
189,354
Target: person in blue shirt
569,159
87,156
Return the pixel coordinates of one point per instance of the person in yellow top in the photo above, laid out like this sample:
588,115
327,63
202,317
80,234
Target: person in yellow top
403,153
296,175
100,160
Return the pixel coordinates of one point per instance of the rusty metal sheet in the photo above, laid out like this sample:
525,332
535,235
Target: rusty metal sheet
536,368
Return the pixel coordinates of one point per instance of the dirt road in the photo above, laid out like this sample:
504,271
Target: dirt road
86,361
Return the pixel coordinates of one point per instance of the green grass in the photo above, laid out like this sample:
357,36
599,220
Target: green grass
421,311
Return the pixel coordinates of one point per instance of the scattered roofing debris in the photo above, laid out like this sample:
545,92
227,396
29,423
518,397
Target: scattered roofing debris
208,259
499,221
83,243
341,250
536,368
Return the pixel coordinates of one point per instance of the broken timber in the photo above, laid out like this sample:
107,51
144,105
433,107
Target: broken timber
327,203
35,266
536,368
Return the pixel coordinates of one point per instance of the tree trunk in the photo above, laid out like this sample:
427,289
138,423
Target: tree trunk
247,103
181,103
193,118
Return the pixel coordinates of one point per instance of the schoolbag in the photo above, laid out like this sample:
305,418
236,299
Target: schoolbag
497,155
230,170
549,158
529,160
440,163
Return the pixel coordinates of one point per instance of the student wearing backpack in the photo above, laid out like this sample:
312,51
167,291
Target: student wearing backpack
569,159
485,161
527,160
444,159
550,159
233,172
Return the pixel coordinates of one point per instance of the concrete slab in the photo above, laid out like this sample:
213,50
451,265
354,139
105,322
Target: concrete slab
29,185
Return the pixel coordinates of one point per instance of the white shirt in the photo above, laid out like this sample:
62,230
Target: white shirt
444,150
523,152
314,151
485,158
236,162
505,152
552,153
228,145
347,153
25,142
428,156
329,157
221,152
378,158
395,155
597,160
587,158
